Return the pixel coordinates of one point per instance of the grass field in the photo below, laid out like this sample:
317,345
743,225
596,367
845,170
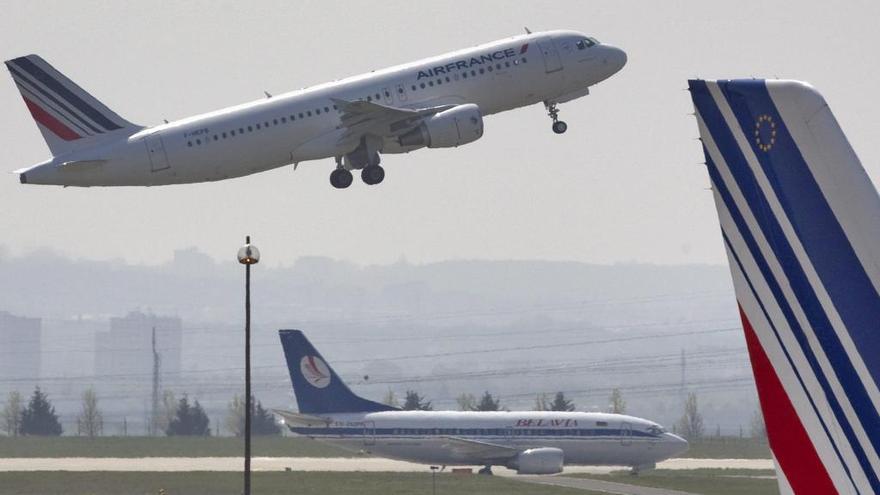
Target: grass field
703,481
728,448
205,483
164,447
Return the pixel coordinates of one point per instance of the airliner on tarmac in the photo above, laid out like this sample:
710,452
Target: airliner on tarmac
437,102
800,220
531,442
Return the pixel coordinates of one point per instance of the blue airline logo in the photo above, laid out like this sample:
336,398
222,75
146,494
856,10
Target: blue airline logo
467,63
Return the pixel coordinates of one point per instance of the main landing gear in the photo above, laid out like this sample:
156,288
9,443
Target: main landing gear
371,172
340,178
486,470
558,126
372,175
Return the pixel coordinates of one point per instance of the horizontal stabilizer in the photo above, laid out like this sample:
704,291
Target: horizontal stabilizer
82,164
294,418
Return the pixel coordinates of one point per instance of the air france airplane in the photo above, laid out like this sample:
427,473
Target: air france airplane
532,442
437,102
800,220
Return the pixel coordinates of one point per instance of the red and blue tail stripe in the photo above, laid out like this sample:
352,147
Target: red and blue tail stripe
64,111
806,279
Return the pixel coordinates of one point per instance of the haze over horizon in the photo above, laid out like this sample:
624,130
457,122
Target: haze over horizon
624,184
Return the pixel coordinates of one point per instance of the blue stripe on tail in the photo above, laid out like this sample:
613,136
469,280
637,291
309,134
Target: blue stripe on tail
817,230
50,82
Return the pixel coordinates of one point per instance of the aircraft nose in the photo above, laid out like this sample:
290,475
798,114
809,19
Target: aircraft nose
22,178
615,58
675,444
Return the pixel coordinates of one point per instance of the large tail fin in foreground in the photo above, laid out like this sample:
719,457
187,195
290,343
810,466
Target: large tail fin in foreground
317,387
68,117
800,220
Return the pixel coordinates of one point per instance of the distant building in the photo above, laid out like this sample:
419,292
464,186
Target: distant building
20,340
125,351
69,349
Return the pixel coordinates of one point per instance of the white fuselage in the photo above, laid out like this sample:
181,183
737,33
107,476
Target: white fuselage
423,436
305,125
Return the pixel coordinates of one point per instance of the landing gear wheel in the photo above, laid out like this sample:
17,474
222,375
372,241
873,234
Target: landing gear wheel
559,127
486,470
340,178
372,175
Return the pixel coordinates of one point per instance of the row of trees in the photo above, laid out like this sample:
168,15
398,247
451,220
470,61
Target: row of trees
413,401
37,418
179,417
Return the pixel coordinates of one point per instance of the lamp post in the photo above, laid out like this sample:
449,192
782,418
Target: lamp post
434,479
248,255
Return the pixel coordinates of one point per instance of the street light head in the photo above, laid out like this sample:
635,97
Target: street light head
249,255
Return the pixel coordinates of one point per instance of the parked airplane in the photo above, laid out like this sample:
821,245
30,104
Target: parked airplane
800,220
531,442
437,102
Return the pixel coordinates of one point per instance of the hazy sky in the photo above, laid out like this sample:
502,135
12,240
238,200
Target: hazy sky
624,184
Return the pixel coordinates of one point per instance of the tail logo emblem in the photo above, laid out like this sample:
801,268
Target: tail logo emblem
765,132
315,371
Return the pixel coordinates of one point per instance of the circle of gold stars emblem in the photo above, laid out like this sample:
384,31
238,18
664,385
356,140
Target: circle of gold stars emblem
763,120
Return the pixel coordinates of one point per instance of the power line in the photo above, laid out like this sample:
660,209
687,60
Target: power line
609,340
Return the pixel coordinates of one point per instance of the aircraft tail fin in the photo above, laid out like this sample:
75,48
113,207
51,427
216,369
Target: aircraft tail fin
800,220
68,117
318,388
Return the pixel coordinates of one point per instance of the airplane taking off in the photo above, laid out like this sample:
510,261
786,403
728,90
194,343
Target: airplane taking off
437,102
800,220
531,442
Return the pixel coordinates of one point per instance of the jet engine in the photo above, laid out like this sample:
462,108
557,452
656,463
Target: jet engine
543,460
461,124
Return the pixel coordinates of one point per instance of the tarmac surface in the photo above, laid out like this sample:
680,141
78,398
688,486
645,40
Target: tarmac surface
366,464
600,486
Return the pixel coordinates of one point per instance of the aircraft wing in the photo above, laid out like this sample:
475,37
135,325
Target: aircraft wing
485,450
366,117
293,418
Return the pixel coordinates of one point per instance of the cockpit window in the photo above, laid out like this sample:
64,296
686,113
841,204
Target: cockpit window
586,43
656,430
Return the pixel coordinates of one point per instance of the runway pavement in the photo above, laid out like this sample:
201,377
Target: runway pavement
600,486
367,464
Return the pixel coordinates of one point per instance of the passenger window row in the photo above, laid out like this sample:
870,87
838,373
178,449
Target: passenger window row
260,126
378,96
517,432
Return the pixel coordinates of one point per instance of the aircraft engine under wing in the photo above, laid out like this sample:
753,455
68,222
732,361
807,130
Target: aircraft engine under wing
461,124
543,460
404,129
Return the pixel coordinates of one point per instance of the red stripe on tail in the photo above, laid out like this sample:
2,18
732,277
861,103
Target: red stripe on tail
50,122
794,451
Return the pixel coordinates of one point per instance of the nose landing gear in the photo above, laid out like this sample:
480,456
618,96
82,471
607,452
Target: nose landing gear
559,126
